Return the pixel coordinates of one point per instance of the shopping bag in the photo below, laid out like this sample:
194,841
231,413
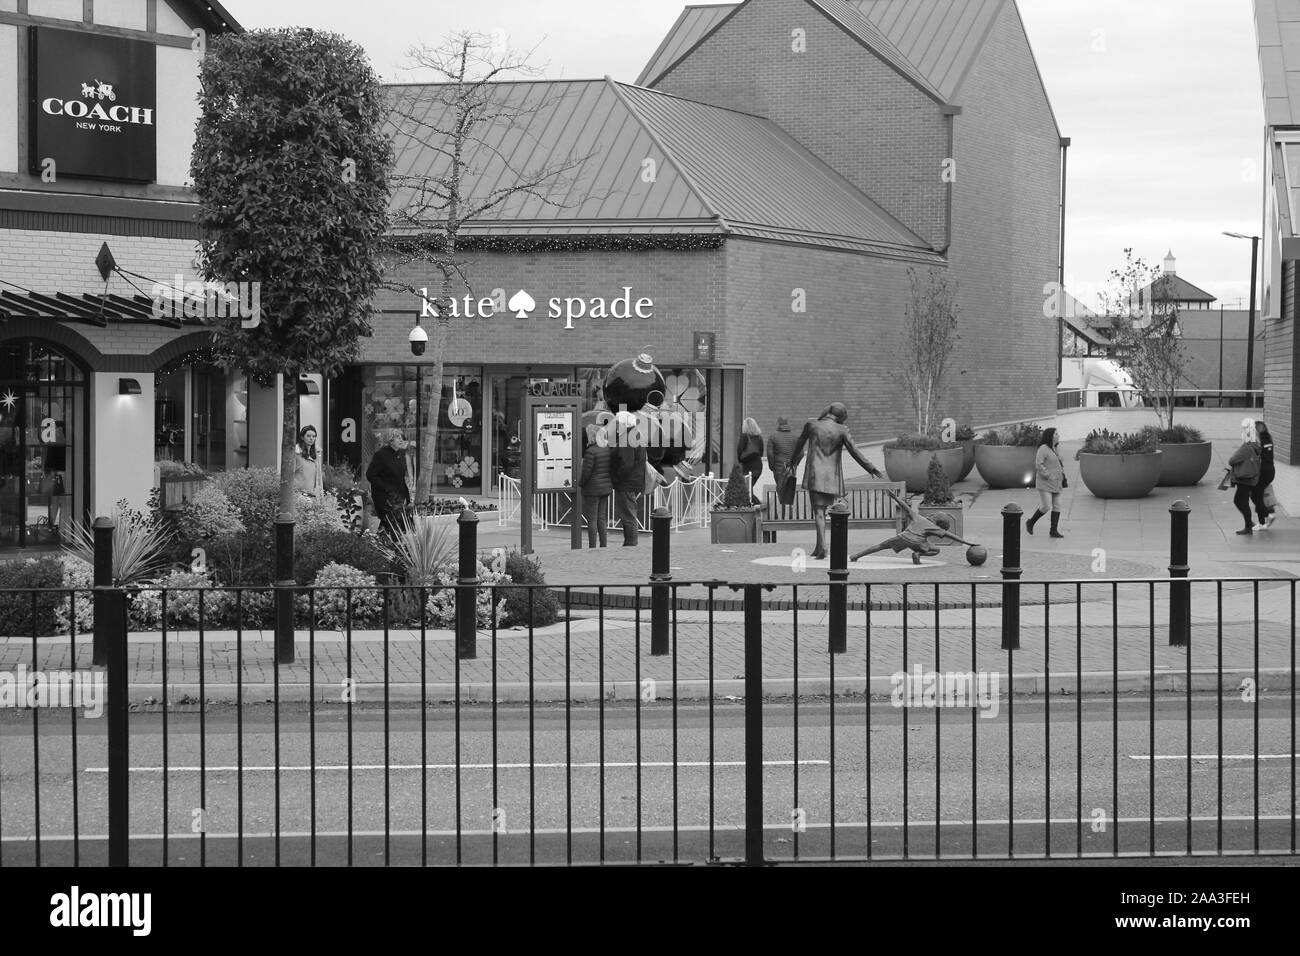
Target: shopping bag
1270,499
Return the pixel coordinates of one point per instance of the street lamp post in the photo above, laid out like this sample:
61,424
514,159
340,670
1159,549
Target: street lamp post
1250,327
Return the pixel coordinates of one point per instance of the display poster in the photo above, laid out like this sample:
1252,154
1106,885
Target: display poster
553,432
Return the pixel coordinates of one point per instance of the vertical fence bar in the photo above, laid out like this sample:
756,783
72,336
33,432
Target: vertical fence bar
239,736
1011,572
908,690
1218,694
837,640
311,714
467,590
1180,592
1047,720
568,724
600,682
794,653
110,640
351,699
974,728
1078,716
660,565
938,753
1151,717
1293,751
1114,715
36,729
1187,669
1255,709
867,670
712,848
496,797
388,777
203,741
165,814
830,697
636,706
275,667
284,582
532,732
754,724
76,815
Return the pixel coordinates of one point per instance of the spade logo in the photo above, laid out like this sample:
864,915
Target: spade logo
521,303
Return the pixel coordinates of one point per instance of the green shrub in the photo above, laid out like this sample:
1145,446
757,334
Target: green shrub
545,608
1103,441
317,548
208,514
182,602
254,493
965,433
737,496
441,606
1020,435
937,485
331,601
246,559
421,547
1175,435
80,575
339,479
178,469
20,614
917,442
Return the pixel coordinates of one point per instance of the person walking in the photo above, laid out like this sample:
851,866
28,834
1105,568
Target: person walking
628,467
780,447
827,439
307,473
1244,467
1267,472
597,484
1049,471
387,477
749,452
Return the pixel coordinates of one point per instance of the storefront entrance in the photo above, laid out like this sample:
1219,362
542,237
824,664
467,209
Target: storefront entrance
201,415
42,410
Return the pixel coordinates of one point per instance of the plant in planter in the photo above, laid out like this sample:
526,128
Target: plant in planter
1148,345
1115,465
939,501
908,457
178,481
736,521
1005,456
1185,455
965,437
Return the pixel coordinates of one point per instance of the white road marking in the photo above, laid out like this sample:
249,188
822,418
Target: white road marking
609,764
1212,756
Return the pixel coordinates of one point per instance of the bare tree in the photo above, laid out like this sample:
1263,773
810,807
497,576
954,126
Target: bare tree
1148,342
459,121
929,338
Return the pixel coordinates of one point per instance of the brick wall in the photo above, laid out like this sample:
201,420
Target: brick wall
837,99
1006,234
1279,373
686,287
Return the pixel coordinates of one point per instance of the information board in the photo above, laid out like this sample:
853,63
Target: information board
553,437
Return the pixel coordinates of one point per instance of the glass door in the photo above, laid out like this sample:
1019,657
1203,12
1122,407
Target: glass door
209,417
37,422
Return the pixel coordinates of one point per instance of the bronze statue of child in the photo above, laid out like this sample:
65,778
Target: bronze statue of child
916,537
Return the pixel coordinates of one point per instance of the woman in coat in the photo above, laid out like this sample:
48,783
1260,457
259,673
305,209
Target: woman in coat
307,475
387,477
1267,472
597,484
1050,473
749,452
1244,465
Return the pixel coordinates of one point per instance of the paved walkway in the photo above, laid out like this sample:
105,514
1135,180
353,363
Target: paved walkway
1111,630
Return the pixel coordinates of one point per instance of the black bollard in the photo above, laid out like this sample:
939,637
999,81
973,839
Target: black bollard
284,583
838,640
1011,572
467,587
103,530
1180,591
660,597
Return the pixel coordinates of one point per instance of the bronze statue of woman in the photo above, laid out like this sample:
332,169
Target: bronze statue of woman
827,439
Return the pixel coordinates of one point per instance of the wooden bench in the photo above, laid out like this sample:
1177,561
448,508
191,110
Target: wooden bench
871,507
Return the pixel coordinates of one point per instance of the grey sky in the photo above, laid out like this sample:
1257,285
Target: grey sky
1161,99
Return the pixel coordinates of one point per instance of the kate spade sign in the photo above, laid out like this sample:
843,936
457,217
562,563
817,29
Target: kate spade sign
93,105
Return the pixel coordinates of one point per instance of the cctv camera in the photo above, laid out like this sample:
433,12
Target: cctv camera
418,339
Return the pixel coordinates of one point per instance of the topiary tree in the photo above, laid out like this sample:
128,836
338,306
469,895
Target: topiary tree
929,339
290,168
937,488
736,497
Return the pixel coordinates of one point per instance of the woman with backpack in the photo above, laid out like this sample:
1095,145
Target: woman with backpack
1244,466
1267,472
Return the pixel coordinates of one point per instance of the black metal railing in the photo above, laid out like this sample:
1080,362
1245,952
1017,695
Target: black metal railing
672,721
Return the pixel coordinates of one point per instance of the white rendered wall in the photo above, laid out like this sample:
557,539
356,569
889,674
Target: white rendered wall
58,9
8,98
178,111
121,442
129,14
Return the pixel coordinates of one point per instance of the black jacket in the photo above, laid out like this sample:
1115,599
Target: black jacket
627,468
387,477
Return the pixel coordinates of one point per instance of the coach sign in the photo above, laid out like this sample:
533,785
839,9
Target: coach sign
92,106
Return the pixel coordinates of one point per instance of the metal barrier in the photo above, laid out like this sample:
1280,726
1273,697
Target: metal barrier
689,502
732,723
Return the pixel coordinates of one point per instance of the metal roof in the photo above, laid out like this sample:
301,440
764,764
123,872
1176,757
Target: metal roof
643,162
1178,290
932,42
691,26
941,37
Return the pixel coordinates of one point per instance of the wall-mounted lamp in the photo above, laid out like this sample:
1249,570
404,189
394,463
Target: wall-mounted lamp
128,386
308,386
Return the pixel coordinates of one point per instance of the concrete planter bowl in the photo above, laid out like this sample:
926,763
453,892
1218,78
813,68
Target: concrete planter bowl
1185,464
912,466
1006,466
1120,476
735,525
967,458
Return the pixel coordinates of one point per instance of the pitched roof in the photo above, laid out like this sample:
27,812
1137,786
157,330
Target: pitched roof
933,43
715,171
210,14
1178,290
